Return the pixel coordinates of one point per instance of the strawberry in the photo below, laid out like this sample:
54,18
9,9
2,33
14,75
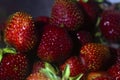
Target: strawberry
14,67
55,45
114,71
40,22
104,78
109,25
37,76
76,66
99,75
94,56
66,13
20,32
37,66
84,37
91,9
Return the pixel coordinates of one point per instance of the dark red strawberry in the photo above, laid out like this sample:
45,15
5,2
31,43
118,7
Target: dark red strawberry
91,9
56,45
94,56
20,32
40,22
84,37
76,66
37,66
67,14
110,25
14,67
114,71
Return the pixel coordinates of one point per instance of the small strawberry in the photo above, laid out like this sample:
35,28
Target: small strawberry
84,37
110,25
14,67
94,56
20,32
99,75
66,13
104,78
37,66
46,73
91,9
37,76
40,22
76,66
55,45
114,71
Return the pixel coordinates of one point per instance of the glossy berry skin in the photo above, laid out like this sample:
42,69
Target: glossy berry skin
67,14
76,66
55,45
37,76
20,32
14,67
114,71
94,56
84,37
110,25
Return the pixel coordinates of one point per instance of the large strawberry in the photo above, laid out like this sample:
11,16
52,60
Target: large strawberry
94,55
110,25
67,14
14,67
56,45
20,31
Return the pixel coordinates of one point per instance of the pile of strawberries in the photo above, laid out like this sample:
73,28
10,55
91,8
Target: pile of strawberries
73,43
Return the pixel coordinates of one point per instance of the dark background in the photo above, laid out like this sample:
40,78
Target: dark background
33,7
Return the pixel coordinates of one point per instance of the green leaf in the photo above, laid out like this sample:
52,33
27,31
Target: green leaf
50,68
66,73
85,1
78,77
98,21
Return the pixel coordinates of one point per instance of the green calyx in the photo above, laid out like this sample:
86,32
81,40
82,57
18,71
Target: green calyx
52,73
6,50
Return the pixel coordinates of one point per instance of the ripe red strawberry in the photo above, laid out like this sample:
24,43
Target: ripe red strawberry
20,32
94,56
110,25
84,37
114,71
76,66
37,66
55,45
14,67
66,13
